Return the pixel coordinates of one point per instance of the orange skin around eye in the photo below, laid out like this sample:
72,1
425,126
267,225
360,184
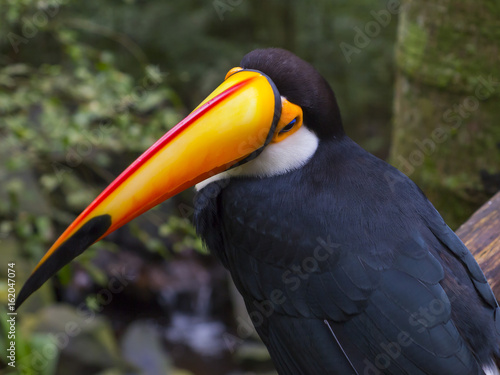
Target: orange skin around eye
289,111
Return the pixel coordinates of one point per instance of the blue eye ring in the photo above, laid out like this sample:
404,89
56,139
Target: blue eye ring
289,126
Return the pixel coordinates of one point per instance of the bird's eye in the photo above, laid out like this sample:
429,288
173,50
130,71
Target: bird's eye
289,126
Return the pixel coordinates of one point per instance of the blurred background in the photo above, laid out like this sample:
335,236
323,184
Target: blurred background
85,87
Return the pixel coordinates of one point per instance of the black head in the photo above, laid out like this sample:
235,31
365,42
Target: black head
301,84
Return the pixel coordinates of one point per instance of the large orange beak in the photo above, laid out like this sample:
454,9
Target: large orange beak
230,126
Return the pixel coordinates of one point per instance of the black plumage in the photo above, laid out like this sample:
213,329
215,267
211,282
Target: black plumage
344,265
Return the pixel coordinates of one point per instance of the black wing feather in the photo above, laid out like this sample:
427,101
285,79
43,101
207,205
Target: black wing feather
369,255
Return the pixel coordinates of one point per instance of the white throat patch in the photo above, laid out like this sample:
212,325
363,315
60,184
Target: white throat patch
277,158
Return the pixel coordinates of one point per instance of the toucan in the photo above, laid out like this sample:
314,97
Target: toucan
344,265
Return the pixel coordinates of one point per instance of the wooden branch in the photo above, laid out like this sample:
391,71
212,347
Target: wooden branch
481,234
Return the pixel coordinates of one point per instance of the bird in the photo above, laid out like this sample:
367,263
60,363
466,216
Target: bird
344,265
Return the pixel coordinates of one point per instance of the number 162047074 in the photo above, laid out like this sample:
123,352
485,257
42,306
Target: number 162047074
11,283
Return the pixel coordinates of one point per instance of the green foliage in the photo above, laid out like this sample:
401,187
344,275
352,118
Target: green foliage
64,123
183,232
26,343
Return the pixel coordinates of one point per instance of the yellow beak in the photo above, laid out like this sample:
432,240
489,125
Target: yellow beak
231,125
